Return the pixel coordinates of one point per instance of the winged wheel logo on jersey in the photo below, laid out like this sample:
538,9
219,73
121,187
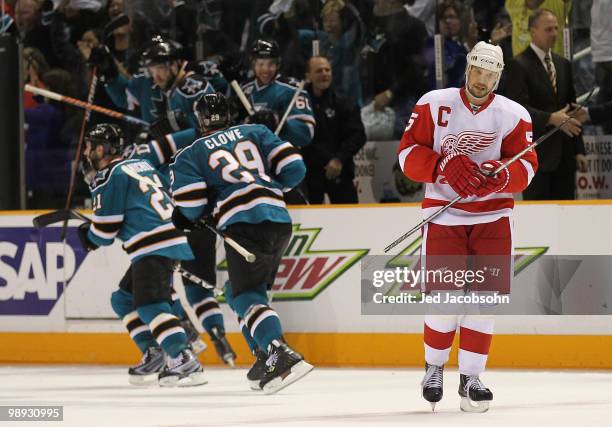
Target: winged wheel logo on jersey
467,142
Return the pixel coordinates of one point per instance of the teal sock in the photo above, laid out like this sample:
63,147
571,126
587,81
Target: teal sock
261,320
122,303
165,327
205,306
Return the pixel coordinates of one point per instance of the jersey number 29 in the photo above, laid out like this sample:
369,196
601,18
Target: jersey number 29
233,165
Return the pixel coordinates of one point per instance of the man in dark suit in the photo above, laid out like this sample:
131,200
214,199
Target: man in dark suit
542,82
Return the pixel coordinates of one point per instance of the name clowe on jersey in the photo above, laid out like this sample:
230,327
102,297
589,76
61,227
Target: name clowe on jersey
219,139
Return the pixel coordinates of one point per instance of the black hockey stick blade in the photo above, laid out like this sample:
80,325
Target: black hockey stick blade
54,217
118,22
49,218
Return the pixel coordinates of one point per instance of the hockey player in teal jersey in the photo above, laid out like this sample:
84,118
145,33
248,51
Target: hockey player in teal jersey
202,242
140,216
164,95
166,98
270,97
237,175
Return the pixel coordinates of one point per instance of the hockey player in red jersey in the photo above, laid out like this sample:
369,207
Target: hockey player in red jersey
454,139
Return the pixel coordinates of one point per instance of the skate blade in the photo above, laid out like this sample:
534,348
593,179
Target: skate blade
433,406
468,406
254,385
297,371
191,380
143,379
230,361
198,346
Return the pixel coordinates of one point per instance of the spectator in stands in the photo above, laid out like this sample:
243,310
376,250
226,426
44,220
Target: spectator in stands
542,82
339,134
449,13
48,139
115,8
501,35
521,10
31,30
340,42
393,63
601,43
486,14
424,10
78,16
35,65
126,43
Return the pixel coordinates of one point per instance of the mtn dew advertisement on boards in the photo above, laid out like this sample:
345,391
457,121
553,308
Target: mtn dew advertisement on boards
305,269
44,282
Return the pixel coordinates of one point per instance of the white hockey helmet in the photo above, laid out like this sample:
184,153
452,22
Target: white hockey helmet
487,56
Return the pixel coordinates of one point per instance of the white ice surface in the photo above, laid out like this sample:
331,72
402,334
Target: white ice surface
101,396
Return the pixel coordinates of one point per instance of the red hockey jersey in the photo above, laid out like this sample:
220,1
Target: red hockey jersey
443,122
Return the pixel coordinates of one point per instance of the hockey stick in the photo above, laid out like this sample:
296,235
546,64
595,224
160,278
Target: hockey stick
283,120
81,104
242,97
248,256
79,151
54,217
496,171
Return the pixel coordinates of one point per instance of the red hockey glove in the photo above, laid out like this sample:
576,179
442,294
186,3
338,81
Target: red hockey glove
461,173
496,183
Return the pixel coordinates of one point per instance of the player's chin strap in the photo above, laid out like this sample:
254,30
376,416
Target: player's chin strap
248,256
62,215
492,173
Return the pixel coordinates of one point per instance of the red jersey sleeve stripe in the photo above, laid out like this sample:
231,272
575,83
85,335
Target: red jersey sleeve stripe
522,171
416,156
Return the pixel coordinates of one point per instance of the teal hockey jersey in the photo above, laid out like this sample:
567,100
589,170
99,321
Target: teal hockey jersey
276,96
134,212
236,175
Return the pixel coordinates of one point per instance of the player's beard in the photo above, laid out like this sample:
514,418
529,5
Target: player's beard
476,92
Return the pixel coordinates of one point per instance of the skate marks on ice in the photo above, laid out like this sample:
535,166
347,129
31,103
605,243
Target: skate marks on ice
100,396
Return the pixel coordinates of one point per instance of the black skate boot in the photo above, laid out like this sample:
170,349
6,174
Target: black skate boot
182,371
193,336
283,367
152,363
223,347
258,370
475,397
433,384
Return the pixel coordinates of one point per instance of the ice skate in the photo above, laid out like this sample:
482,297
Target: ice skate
196,343
475,397
433,384
258,370
182,371
146,372
223,347
284,367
